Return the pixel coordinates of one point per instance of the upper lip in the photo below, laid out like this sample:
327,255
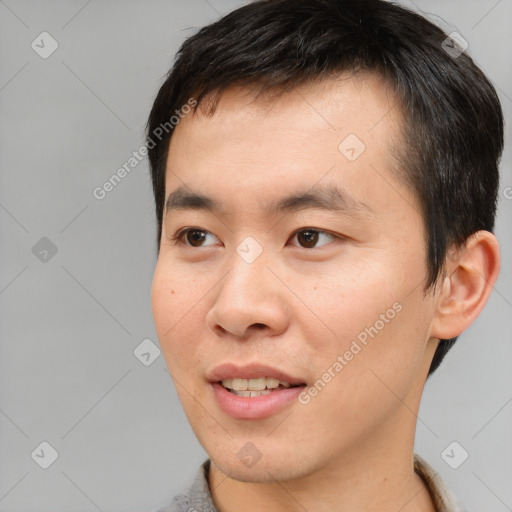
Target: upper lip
250,371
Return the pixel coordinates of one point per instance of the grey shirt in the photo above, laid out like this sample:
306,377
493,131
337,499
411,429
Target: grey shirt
198,498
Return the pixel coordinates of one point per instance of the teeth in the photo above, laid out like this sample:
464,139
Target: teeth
272,383
257,384
260,384
262,392
248,393
239,384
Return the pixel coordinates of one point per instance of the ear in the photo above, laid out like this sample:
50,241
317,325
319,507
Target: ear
471,272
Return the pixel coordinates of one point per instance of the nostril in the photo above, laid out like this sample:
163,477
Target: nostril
259,326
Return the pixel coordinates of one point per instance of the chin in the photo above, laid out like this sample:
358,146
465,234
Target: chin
262,472
248,464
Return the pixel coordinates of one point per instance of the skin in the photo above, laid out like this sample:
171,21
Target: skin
298,308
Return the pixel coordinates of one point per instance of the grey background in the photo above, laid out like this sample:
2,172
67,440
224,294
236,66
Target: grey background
69,325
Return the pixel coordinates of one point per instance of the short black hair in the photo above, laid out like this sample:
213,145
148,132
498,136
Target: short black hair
452,133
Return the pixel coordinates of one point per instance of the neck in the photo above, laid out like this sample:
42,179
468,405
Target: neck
386,484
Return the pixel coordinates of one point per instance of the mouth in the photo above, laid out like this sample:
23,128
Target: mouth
253,391
255,387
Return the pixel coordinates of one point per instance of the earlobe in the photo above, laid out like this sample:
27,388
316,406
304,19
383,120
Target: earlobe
472,271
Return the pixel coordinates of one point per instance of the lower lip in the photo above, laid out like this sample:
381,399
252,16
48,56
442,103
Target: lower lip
254,408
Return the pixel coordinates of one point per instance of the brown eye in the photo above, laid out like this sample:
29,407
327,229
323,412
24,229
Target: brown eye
308,238
191,237
195,237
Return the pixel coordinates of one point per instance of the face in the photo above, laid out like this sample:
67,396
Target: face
302,265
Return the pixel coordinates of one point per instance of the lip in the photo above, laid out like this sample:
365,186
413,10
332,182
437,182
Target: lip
247,408
259,407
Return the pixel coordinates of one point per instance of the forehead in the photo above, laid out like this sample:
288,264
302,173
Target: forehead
338,130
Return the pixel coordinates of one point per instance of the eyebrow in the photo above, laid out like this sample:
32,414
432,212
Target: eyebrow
322,197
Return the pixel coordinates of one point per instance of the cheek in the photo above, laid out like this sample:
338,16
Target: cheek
349,299
163,302
174,309
375,320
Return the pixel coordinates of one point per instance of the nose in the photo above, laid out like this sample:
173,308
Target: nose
250,300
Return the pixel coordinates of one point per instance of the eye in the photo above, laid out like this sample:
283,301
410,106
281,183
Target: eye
309,237
192,237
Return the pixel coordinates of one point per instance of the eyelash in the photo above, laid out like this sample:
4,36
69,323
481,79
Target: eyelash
180,235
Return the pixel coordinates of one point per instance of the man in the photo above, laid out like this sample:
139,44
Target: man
325,175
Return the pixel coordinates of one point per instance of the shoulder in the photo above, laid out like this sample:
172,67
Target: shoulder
197,498
443,498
